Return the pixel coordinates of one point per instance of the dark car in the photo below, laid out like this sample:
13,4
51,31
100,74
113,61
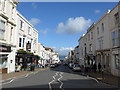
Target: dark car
52,66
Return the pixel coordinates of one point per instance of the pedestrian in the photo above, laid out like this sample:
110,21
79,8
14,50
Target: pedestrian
24,65
99,67
32,66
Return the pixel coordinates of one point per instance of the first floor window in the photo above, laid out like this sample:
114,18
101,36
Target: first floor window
90,47
117,61
23,42
114,38
2,29
20,42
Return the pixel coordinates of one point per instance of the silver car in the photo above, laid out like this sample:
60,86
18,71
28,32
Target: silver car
76,67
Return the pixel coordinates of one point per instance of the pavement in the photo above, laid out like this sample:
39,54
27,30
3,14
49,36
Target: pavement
7,76
60,77
106,78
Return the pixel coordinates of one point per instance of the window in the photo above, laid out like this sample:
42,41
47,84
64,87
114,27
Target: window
116,18
11,34
21,24
2,29
98,30
20,42
114,38
88,36
117,61
100,42
29,30
23,42
90,47
3,5
13,12
102,27
119,36
91,35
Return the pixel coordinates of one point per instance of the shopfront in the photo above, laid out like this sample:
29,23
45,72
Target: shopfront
26,58
4,55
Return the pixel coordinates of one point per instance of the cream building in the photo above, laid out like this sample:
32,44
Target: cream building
103,42
7,35
87,47
81,51
114,29
76,55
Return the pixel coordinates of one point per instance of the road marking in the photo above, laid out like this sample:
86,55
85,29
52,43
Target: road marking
60,81
94,79
8,82
52,80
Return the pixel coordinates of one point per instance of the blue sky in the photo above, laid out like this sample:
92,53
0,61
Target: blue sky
61,24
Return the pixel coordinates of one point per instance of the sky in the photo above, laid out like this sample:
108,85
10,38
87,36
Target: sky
61,24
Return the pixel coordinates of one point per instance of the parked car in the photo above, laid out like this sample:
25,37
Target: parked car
52,66
71,65
56,64
76,67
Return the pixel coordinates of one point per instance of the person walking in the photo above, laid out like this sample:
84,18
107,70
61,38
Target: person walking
32,66
99,67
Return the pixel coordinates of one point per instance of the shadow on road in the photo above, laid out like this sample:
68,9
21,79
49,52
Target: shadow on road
68,85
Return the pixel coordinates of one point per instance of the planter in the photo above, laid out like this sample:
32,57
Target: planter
4,70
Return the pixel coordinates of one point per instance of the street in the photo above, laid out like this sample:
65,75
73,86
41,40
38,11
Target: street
60,77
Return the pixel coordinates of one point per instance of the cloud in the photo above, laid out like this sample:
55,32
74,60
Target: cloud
34,5
63,50
97,11
66,49
44,31
73,25
34,21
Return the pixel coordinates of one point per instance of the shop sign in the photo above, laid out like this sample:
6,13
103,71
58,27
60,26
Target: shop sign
28,46
114,52
4,48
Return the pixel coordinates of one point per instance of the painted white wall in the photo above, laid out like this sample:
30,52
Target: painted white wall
31,36
10,32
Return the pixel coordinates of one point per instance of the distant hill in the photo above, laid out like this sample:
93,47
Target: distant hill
62,57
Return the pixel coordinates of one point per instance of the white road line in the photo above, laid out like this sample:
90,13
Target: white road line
94,79
27,75
52,80
60,81
8,82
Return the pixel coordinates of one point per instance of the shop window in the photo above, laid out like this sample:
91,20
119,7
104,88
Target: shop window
3,63
117,61
2,29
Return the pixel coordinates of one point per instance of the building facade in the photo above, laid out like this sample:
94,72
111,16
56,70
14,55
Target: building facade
7,35
27,40
114,29
103,42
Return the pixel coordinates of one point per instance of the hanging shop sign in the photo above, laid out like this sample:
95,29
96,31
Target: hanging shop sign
4,48
28,46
